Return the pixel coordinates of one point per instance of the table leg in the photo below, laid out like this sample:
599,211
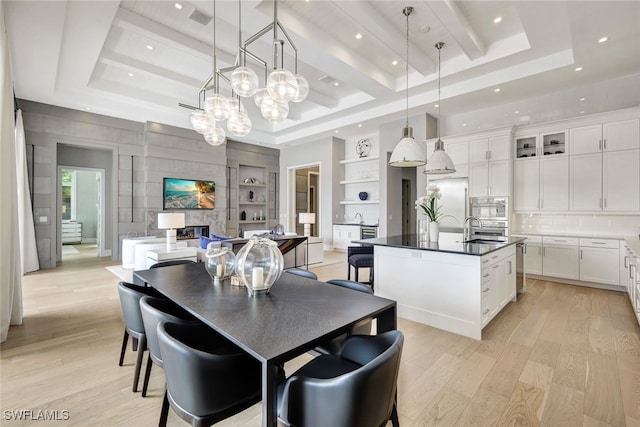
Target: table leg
269,395
387,320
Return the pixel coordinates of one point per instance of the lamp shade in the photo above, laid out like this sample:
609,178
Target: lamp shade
439,162
408,153
170,220
307,218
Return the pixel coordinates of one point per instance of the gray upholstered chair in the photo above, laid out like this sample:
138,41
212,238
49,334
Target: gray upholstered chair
155,311
130,296
302,273
362,328
357,388
360,257
208,377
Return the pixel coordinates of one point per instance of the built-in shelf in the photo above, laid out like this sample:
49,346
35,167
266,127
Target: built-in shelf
358,160
250,221
359,202
358,181
253,203
242,184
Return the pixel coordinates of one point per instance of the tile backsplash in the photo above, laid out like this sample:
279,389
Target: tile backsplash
613,225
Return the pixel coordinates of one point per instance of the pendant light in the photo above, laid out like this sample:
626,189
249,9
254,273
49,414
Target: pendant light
440,162
216,107
408,153
244,80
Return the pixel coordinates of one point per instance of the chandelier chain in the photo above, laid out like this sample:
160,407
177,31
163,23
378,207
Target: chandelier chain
407,12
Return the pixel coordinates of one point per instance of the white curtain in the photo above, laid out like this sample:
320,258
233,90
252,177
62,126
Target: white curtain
28,249
10,273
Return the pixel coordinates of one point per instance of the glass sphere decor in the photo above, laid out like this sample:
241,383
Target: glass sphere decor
259,264
259,96
303,89
282,84
215,136
217,106
244,81
239,123
200,121
221,263
274,110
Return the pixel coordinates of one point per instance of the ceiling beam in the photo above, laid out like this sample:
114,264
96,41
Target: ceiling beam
457,25
379,28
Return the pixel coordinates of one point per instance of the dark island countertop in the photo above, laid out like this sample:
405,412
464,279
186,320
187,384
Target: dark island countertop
447,243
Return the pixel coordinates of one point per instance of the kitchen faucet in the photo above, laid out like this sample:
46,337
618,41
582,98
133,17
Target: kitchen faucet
361,219
466,231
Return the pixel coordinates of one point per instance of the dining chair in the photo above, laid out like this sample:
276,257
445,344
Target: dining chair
155,311
208,377
130,296
362,328
172,262
356,388
360,257
302,273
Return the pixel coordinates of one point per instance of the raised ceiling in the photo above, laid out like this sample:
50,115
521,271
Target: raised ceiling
139,59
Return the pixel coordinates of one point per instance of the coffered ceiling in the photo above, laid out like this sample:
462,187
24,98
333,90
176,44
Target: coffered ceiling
139,59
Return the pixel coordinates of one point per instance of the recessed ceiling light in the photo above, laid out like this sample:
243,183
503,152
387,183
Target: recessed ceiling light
581,99
395,62
149,47
336,83
603,39
358,36
131,74
337,131
578,68
464,124
516,112
425,29
497,90
497,20
359,125
581,112
436,105
88,108
178,6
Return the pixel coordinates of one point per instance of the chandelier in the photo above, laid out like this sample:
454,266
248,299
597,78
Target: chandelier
281,86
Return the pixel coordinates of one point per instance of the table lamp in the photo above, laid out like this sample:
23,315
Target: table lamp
307,219
170,222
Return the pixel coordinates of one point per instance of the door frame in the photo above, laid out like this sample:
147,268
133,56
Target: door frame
291,196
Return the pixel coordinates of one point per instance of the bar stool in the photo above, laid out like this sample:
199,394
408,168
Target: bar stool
360,257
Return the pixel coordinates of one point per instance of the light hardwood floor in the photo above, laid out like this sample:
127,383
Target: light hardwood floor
561,356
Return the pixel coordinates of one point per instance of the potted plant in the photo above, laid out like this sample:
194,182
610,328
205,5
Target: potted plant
429,205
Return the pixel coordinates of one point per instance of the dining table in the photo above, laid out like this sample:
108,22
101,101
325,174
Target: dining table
295,316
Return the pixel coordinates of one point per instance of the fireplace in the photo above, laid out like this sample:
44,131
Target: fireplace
192,232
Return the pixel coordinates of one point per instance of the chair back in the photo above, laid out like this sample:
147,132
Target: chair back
172,262
302,273
155,311
363,327
206,374
363,396
130,296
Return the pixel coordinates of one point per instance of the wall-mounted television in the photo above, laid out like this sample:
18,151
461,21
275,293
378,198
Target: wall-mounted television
188,194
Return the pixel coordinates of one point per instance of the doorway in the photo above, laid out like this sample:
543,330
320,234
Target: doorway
81,212
304,190
409,216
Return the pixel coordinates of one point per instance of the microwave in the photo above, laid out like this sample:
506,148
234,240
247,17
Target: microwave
489,208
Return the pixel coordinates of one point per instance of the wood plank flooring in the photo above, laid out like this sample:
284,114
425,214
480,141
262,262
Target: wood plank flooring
561,356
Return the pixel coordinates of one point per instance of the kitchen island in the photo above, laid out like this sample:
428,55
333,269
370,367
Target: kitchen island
450,285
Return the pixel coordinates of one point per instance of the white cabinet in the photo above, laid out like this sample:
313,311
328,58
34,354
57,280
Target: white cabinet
343,235
71,232
498,283
560,257
542,184
612,136
532,254
599,260
585,182
361,176
490,165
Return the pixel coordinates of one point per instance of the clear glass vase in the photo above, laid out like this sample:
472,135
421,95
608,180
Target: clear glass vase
221,263
259,264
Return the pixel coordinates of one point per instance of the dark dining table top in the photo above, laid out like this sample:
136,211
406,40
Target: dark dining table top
297,314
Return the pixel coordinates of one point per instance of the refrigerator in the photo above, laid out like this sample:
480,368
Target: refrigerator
454,202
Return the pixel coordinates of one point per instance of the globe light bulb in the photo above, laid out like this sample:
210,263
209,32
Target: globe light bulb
215,136
239,123
303,88
200,121
259,96
244,81
217,106
274,110
282,85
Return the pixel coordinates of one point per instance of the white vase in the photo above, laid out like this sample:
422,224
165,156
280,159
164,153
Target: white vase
434,231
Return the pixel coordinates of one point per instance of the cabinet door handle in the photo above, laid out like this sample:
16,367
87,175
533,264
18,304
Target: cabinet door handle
485,261
539,250
485,290
484,276
494,257
626,261
605,203
605,143
541,203
496,266
598,243
485,311
524,248
509,262
580,253
600,144
544,252
600,203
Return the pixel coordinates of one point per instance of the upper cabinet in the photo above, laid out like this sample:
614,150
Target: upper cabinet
490,166
613,136
552,143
